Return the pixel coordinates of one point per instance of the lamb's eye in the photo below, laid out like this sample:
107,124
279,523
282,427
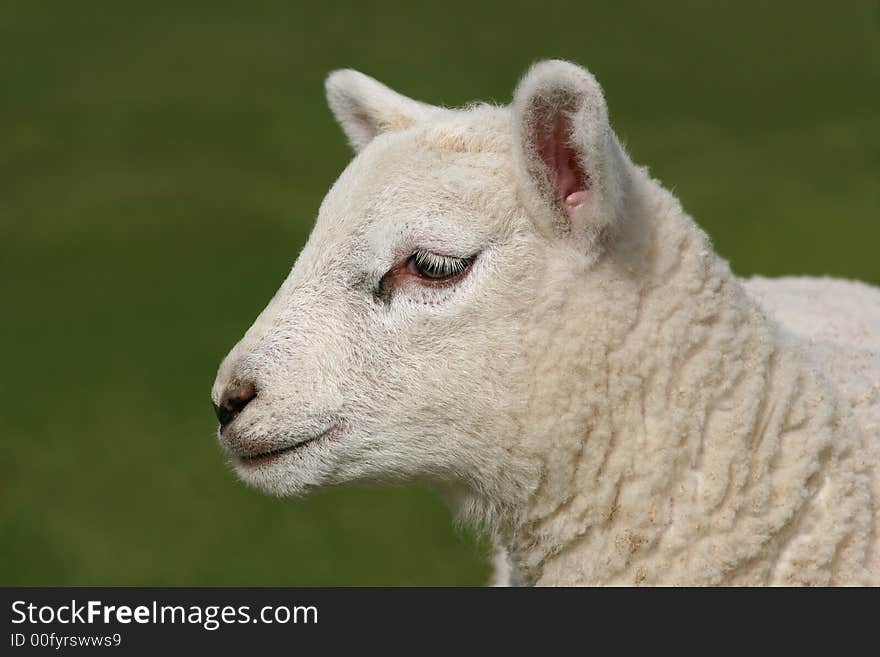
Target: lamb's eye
435,267
429,269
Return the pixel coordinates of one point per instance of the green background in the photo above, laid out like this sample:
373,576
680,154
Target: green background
161,165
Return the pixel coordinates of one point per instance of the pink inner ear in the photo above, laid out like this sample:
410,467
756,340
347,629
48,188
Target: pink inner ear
562,161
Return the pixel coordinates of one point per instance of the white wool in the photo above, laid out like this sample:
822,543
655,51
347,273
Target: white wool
598,391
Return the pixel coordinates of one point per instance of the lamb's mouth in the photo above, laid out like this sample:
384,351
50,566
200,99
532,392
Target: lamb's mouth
255,459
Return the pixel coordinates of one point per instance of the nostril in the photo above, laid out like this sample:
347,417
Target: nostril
234,399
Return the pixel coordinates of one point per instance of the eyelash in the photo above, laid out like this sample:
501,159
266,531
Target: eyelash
436,267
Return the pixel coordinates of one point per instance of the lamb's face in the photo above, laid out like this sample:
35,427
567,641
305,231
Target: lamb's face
394,349
384,353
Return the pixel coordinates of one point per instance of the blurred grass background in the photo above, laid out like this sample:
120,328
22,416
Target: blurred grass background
161,164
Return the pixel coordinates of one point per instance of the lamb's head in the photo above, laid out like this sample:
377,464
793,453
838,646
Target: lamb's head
394,351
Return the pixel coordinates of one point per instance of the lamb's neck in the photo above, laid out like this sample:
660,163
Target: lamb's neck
669,462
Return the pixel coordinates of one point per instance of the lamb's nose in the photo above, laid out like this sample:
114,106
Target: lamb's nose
234,399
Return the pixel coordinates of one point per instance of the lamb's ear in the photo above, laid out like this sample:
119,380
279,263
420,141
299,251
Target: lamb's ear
572,168
365,107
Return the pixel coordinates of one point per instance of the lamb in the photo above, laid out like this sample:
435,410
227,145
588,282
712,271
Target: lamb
496,302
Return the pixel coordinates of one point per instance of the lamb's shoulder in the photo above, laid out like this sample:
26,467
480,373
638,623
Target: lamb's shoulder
840,321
